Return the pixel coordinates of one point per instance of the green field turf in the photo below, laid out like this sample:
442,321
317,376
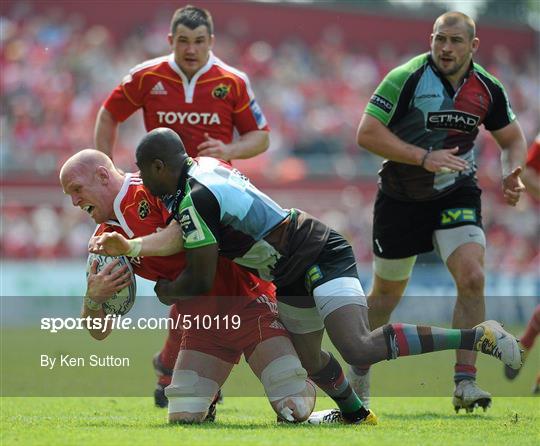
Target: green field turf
250,421
413,401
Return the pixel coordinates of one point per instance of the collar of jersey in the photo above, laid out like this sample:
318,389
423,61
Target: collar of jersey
189,85
445,81
120,219
181,185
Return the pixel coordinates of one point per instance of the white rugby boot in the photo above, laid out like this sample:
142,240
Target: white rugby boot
333,416
497,342
468,396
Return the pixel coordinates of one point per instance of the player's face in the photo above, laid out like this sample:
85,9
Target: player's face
91,194
191,48
452,49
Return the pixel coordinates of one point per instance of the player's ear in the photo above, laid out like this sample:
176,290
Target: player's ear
211,42
170,39
158,165
102,174
475,44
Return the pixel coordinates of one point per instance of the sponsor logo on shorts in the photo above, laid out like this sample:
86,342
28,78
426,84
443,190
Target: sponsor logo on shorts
458,215
143,209
221,91
452,120
313,274
384,104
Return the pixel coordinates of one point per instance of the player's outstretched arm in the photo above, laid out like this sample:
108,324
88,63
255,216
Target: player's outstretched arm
163,243
374,136
513,153
105,131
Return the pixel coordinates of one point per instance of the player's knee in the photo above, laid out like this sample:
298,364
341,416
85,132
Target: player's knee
291,394
383,302
299,407
355,352
190,396
471,280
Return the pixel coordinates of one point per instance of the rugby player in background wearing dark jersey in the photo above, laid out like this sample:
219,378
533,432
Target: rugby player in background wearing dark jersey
204,100
423,119
219,211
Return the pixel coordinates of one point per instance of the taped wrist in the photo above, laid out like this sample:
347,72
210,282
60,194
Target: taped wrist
135,246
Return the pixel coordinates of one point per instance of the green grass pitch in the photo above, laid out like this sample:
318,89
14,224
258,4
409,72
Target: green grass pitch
413,401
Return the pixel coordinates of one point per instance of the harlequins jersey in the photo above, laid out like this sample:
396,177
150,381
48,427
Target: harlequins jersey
422,108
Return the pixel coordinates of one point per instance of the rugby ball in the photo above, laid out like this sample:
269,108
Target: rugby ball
122,301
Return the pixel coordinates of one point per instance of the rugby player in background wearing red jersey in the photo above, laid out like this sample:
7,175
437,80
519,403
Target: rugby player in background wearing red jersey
192,92
197,95
119,202
531,174
531,179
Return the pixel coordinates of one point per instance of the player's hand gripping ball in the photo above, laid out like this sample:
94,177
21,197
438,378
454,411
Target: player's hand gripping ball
121,302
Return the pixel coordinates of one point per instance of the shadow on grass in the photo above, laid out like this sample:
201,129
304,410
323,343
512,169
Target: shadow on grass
429,416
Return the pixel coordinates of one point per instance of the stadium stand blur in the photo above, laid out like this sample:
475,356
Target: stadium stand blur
312,75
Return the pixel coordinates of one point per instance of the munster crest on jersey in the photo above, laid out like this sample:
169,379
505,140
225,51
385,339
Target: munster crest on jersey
144,209
221,91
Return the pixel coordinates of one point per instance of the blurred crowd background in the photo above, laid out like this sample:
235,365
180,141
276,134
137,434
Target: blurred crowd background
60,61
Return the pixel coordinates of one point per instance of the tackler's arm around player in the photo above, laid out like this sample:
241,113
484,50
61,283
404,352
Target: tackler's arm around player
196,279
163,243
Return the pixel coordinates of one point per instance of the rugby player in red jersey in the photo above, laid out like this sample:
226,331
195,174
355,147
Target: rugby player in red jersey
531,174
120,202
531,179
192,92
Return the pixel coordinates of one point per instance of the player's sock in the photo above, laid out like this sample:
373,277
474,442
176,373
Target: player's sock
407,339
360,369
532,330
463,372
332,380
170,350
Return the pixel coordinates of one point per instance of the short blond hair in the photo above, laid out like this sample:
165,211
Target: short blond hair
454,18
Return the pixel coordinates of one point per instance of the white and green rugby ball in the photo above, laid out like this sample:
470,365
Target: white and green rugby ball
122,301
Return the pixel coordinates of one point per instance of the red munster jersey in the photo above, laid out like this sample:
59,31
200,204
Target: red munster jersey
138,213
216,100
533,155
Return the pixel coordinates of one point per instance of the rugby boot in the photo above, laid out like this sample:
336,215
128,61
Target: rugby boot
334,416
497,342
468,396
164,379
